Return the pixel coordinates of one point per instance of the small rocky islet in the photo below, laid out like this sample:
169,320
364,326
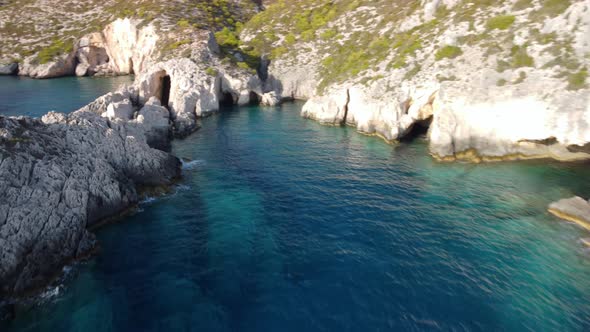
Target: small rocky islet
492,81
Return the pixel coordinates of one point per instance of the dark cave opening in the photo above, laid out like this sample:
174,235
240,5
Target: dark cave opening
165,92
226,99
254,98
418,130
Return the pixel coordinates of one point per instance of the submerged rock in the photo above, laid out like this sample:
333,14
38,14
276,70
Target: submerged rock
575,209
61,175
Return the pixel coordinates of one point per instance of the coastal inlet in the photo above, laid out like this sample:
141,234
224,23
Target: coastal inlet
281,224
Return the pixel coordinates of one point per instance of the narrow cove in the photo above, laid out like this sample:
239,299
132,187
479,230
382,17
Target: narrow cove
283,224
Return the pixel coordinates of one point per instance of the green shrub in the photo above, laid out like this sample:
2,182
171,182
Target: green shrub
521,78
177,44
227,38
550,8
413,72
520,57
211,71
502,22
522,4
57,47
277,52
501,82
577,80
290,39
243,65
449,52
328,34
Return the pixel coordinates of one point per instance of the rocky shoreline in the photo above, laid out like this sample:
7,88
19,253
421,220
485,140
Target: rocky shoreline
60,175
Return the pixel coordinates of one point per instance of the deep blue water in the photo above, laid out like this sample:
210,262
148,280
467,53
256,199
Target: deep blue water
281,224
26,96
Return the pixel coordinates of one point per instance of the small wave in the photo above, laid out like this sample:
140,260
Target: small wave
188,165
183,187
148,200
51,293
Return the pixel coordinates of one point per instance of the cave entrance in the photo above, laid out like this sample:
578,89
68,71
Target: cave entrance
131,71
226,99
254,98
165,92
418,130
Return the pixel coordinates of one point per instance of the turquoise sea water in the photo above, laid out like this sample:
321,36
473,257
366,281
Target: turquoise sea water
26,96
281,224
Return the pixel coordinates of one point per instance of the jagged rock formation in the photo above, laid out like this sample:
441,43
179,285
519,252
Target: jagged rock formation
64,173
575,209
120,49
195,87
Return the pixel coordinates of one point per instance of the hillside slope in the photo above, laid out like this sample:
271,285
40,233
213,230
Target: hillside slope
499,79
40,32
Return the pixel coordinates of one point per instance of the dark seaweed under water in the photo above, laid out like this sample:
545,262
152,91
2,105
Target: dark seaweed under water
281,224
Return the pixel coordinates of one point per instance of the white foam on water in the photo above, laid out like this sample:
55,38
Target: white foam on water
148,200
188,165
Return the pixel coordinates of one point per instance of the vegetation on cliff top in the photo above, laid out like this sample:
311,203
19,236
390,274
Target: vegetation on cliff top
359,40
28,27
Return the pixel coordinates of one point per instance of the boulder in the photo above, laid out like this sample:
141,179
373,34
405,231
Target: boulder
270,99
575,209
82,69
155,119
120,110
62,65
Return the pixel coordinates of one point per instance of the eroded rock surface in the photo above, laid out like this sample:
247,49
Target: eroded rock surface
575,209
60,175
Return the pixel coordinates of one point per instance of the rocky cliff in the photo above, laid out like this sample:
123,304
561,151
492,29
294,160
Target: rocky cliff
60,175
498,79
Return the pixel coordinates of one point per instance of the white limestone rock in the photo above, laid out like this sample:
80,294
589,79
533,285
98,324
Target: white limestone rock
499,123
63,65
575,209
270,99
120,110
155,119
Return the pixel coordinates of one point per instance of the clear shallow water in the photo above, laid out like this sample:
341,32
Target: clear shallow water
26,96
281,224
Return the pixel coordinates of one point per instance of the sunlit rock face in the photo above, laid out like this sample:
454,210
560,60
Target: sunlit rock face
494,82
575,209
487,124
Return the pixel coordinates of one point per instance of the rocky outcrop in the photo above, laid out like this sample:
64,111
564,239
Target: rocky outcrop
195,87
63,65
9,69
575,209
270,99
122,48
62,174
497,123
366,109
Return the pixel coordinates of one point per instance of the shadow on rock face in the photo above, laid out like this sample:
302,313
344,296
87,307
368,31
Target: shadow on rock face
7,312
